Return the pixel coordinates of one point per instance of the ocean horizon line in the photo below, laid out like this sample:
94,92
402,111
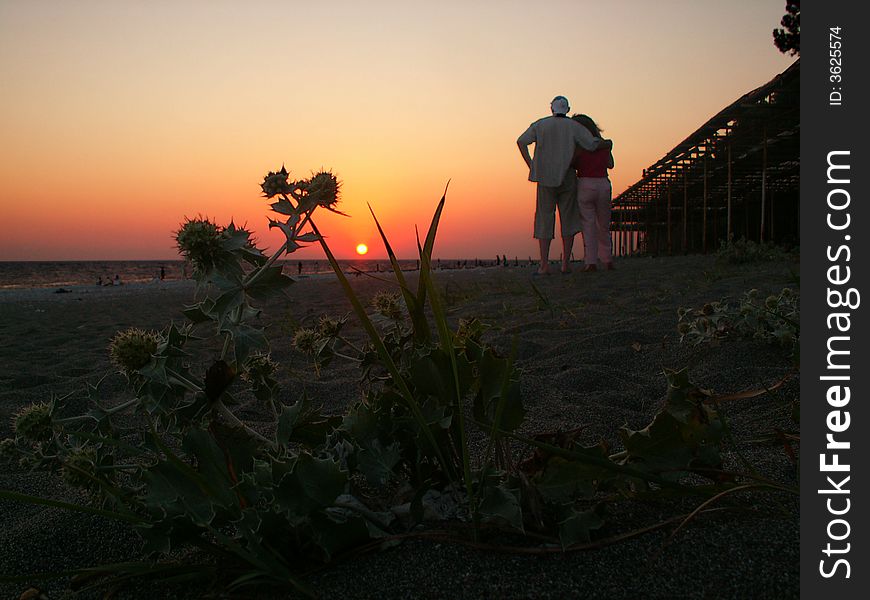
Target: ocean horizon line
179,260
61,274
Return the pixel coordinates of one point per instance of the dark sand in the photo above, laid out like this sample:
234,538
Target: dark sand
591,353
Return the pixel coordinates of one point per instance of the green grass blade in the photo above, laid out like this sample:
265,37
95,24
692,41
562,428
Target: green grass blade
127,517
118,573
428,245
446,339
415,306
384,354
44,576
268,563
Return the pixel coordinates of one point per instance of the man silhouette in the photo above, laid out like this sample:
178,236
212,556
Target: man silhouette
555,138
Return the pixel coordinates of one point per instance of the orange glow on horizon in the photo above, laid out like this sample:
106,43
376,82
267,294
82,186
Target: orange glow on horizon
112,140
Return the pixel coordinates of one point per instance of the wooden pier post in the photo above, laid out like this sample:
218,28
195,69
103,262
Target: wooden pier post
763,185
728,228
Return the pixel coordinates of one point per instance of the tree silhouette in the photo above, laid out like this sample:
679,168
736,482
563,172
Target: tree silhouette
788,40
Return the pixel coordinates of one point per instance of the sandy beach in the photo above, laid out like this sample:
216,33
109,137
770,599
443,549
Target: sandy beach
591,348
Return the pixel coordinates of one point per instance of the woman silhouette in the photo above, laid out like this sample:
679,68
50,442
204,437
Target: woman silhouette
593,195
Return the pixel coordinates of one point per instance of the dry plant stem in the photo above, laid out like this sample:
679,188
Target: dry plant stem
753,393
553,548
706,503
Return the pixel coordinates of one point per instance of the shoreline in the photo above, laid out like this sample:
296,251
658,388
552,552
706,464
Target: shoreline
13,294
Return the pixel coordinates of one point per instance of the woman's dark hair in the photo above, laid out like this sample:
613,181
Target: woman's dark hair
587,122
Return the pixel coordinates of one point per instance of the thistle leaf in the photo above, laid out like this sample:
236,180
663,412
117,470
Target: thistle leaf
376,462
313,484
576,526
500,504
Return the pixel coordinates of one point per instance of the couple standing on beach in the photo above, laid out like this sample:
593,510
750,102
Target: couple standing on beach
563,146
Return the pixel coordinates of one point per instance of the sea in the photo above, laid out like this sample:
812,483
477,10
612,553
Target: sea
60,274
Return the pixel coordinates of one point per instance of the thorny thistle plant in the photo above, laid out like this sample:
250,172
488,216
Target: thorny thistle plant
184,470
199,241
322,190
330,327
306,340
275,183
774,319
77,466
34,423
259,366
388,304
132,349
182,411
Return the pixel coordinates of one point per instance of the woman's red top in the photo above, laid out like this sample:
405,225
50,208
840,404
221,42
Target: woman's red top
591,164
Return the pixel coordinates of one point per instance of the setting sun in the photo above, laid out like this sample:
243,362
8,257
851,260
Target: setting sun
362,249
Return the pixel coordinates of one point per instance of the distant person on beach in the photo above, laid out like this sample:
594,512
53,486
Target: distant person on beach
117,280
593,196
555,138
162,273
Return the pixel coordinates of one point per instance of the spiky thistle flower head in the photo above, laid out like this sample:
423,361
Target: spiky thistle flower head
306,340
76,464
330,327
33,422
259,366
323,189
132,349
388,304
199,241
275,183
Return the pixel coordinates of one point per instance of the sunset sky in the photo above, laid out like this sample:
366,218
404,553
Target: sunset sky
120,118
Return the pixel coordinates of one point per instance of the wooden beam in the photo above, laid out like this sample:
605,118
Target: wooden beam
728,228
670,243
763,185
704,217
685,214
